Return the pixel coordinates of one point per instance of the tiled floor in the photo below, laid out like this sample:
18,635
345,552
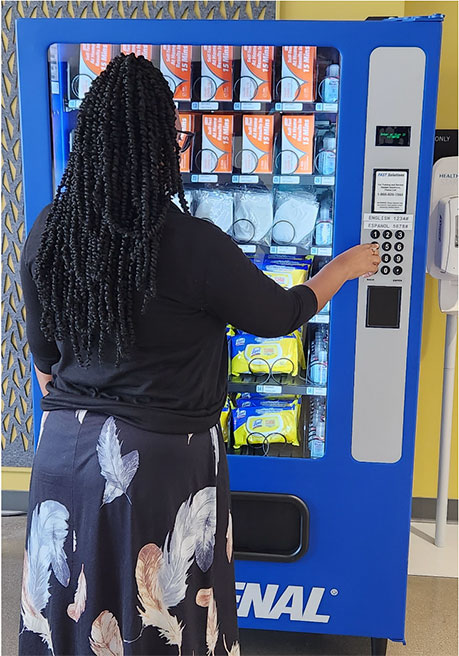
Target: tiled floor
428,560
431,618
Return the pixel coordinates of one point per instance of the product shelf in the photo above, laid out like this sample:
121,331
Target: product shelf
253,249
257,106
268,180
283,384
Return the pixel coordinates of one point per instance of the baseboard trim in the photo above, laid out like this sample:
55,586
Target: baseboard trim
421,509
15,500
425,509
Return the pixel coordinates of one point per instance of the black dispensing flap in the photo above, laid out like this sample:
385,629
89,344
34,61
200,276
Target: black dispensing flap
269,526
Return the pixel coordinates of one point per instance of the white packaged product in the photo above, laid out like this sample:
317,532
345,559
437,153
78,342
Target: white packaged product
216,205
294,218
253,216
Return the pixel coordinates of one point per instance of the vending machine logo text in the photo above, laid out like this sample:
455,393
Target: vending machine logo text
270,605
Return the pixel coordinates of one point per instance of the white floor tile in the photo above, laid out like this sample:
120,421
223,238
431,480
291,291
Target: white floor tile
425,558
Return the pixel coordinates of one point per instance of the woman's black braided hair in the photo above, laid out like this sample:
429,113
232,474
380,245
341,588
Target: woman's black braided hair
103,231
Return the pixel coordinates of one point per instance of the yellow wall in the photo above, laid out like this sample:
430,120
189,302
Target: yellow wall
433,336
327,10
433,339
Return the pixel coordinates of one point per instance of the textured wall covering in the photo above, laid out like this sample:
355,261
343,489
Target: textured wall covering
17,419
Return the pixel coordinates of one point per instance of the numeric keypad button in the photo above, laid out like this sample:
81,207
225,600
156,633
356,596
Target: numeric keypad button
399,246
385,270
397,270
374,234
399,234
387,234
398,258
385,257
386,246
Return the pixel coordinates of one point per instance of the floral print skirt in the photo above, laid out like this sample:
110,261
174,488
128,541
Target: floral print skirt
129,542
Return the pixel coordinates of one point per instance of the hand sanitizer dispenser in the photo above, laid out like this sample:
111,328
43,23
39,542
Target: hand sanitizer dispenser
442,253
442,263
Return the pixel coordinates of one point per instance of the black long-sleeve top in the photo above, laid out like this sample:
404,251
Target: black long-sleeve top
176,378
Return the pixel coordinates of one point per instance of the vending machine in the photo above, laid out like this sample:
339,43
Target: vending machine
310,137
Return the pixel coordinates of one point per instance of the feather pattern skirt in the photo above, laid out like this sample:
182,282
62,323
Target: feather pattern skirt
129,542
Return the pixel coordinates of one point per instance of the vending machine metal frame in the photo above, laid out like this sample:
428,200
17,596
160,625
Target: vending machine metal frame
352,577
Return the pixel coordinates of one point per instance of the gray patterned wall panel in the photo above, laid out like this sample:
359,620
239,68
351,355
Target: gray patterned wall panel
17,419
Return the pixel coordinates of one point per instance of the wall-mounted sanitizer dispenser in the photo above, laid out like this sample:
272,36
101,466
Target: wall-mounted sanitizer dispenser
443,253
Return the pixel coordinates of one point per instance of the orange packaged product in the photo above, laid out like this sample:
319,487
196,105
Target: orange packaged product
187,125
94,58
256,73
217,73
217,143
298,79
175,65
257,143
297,144
138,49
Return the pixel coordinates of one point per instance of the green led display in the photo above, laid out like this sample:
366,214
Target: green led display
393,135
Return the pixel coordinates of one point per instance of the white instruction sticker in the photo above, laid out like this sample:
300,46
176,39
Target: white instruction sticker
269,389
283,250
390,190
248,248
392,221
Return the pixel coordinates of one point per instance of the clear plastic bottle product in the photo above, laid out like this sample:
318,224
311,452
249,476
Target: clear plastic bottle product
324,225
318,367
316,429
329,87
326,157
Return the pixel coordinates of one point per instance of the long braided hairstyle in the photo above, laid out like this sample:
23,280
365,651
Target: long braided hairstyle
102,234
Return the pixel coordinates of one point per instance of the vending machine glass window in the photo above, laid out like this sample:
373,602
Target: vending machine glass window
261,166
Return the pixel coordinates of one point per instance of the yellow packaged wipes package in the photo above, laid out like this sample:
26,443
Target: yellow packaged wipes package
258,355
256,426
224,420
288,277
299,340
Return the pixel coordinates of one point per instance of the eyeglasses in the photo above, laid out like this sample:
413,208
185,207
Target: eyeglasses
185,139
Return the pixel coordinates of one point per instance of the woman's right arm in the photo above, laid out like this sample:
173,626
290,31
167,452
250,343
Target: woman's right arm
237,292
353,263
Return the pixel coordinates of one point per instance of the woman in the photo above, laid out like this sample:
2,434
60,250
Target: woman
129,545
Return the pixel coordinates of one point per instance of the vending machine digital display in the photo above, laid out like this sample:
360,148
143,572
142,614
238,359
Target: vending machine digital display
300,139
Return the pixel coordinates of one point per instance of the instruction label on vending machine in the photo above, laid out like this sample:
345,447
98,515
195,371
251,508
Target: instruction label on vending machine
388,221
390,190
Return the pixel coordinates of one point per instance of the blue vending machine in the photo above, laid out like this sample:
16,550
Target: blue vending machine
311,137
